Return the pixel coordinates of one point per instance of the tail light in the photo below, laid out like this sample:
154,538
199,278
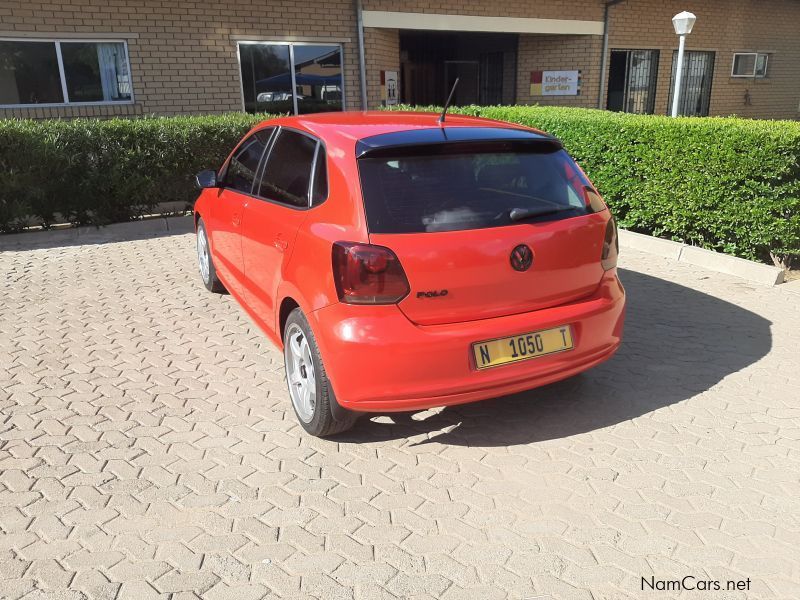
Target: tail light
610,246
367,274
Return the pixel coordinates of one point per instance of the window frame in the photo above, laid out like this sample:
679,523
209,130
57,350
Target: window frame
309,192
291,45
320,149
62,75
223,170
754,74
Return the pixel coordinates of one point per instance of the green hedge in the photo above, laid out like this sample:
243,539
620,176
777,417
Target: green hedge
721,183
102,171
725,184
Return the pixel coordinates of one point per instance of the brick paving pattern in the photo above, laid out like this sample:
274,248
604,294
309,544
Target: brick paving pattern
148,450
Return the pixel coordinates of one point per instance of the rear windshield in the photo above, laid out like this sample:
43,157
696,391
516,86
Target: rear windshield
470,190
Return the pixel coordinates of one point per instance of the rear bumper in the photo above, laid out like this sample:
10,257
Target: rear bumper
379,361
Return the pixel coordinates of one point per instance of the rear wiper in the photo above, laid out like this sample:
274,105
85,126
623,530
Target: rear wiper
520,214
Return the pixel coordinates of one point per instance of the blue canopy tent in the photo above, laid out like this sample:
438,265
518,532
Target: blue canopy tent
283,81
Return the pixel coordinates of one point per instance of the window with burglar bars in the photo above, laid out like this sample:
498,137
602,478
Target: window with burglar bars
632,82
698,71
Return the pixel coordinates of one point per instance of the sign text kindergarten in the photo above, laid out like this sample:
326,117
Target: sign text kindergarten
555,83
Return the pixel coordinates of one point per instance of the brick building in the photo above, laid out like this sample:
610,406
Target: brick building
134,57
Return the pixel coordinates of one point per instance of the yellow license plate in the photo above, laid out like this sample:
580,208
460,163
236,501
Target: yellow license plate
503,351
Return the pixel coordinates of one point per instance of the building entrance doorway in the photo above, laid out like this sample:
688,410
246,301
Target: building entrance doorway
486,65
632,81
466,71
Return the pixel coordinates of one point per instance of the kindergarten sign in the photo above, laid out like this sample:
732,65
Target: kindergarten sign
555,83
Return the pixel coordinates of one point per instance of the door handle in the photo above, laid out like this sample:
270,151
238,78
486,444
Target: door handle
280,243
236,219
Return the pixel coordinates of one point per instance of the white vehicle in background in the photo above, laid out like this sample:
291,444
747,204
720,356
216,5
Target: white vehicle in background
276,97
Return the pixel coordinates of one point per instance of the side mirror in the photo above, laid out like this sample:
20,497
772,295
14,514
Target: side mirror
206,179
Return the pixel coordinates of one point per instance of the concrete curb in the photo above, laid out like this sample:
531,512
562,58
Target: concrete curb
116,232
791,286
699,257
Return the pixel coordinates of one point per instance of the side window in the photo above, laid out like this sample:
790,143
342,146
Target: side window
319,190
287,174
242,167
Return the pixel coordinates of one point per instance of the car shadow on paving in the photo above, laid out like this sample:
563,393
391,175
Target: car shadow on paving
678,343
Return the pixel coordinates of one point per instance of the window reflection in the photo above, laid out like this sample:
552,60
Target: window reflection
318,76
93,72
96,72
267,77
29,73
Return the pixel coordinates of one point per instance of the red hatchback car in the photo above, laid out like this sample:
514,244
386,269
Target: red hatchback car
403,263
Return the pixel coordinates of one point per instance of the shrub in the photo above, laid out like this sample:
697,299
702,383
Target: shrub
725,184
102,171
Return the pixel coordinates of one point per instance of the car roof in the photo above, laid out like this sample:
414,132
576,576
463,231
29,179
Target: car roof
347,128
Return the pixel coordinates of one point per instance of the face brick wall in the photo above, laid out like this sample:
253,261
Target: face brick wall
382,53
183,54
724,27
560,53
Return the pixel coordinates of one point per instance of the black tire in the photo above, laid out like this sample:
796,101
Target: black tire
210,279
322,421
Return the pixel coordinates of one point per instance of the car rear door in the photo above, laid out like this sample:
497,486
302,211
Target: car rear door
228,208
446,214
282,196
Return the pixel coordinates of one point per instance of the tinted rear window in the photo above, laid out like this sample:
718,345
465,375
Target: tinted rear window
470,190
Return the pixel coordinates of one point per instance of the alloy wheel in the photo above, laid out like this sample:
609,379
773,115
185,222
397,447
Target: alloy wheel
203,259
300,373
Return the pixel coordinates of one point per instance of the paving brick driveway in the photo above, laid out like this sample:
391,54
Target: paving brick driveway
148,449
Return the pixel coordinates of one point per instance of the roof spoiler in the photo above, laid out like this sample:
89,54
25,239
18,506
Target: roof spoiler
452,140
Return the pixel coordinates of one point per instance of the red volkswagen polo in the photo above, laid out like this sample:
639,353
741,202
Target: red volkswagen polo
403,263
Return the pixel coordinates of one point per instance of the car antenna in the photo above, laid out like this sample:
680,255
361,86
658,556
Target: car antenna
449,100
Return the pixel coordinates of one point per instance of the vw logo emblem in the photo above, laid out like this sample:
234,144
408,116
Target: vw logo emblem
521,258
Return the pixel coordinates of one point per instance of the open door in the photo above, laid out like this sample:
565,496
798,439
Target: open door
632,77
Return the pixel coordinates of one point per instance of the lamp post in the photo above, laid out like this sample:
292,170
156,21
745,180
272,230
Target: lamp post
683,23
